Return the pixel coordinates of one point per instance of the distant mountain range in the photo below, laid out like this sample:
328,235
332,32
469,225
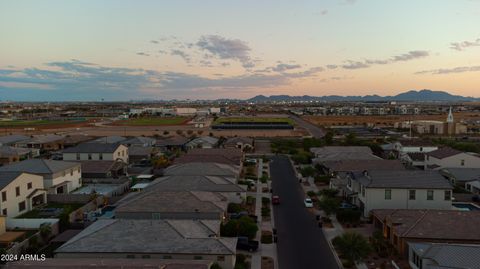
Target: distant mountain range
419,96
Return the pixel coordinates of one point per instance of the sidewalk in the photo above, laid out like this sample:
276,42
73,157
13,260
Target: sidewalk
269,250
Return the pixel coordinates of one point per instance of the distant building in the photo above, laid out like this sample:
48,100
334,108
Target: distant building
451,158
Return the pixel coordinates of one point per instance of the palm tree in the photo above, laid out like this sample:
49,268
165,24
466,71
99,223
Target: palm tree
353,246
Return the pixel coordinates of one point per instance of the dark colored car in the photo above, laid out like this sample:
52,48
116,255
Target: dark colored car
275,200
244,243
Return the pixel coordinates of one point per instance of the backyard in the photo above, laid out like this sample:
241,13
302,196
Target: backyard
51,210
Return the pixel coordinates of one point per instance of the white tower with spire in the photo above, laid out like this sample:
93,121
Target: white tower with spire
450,116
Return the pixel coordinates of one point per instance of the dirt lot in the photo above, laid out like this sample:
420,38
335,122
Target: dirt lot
382,120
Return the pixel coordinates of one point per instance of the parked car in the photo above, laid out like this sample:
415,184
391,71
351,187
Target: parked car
275,200
242,214
308,203
244,243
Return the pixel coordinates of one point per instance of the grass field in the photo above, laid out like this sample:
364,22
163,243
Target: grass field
253,119
153,121
25,123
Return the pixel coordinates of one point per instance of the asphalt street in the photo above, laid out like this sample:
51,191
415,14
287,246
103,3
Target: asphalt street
301,243
314,130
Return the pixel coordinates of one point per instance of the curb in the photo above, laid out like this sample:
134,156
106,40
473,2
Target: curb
339,262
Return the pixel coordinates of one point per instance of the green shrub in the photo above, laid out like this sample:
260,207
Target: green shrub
351,216
266,239
311,193
265,200
244,226
250,200
265,211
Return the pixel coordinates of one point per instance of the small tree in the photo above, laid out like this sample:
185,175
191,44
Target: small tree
329,205
328,138
45,231
352,246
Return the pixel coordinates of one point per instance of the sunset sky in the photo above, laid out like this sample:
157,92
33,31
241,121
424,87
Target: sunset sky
124,50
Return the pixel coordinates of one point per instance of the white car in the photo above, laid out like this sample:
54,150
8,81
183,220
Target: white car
308,203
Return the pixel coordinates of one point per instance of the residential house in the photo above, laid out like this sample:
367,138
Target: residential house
403,226
224,185
58,176
338,153
204,142
113,139
441,255
73,140
228,156
20,192
103,169
10,155
97,152
172,143
172,205
242,143
140,141
11,140
137,154
152,239
202,169
48,142
451,158
399,189
460,176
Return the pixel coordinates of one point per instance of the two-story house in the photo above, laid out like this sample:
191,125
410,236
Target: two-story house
451,158
58,176
402,189
20,192
96,152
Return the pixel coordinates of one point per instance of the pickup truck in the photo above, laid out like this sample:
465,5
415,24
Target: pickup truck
244,243
242,214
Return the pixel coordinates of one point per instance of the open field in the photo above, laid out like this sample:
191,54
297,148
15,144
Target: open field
152,121
41,123
253,119
387,120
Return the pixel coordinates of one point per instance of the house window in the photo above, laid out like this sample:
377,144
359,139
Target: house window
100,156
388,194
21,206
17,191
462,162
145,256
429,194
89,156
29,185
78,156
421,149
411,194
71,172
4,212
220,258
448,195
4,196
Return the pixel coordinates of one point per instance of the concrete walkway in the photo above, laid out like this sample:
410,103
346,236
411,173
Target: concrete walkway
269,250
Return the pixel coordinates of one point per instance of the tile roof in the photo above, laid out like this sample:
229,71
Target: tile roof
42,139
449,255
7,177
10,139
361,165
117,263
140,140
223,156
238,139
442,153
173,202
336,153
91,147
39,166
403,179
109,139
172,141
433,224
6,151
462,174
150,236
416,156
195,183
201,169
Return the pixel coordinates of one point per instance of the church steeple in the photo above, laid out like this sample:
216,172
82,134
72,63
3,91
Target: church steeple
450,116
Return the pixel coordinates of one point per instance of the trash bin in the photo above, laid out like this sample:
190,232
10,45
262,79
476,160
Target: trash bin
274,231
320,224
317,217
275,239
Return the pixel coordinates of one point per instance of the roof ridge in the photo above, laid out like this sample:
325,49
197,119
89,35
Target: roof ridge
80,236
416,223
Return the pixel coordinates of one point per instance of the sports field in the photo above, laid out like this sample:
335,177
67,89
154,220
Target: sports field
29,123
253,119
153,121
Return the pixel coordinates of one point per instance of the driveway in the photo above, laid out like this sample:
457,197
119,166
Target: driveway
301,243
314,130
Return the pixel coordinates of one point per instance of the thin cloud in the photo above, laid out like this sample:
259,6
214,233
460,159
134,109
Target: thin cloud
355,65
445,71
223,48
154,41
182,54
143,54
461,46
284,67
411,55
